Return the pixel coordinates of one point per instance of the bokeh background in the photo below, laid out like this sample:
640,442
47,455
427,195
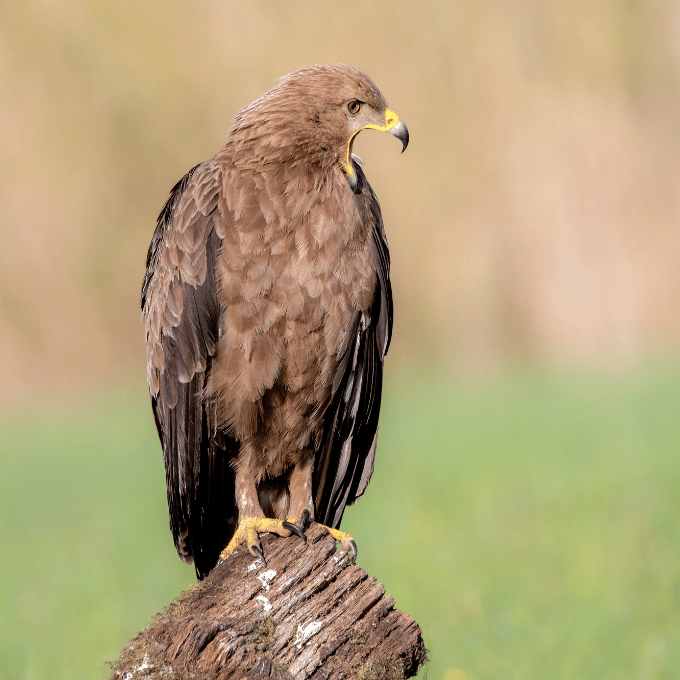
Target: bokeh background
524,507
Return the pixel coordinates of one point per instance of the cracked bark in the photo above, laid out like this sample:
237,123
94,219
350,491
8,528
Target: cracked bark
308,614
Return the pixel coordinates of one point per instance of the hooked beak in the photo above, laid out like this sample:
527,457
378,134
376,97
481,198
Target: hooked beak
394,125
400,131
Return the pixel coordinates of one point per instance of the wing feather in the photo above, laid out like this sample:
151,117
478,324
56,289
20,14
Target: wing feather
347,449
182,313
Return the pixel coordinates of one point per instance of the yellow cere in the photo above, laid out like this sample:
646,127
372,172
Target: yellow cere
391,119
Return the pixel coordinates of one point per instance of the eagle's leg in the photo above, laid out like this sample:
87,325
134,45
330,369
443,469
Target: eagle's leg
301,505
252,521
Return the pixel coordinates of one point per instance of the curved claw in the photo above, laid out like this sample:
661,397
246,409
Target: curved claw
257,551
305,520
295,529
345,539
355,552
300,528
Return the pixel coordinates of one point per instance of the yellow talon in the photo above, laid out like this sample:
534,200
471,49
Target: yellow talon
249,528
346,540
341,536
248,531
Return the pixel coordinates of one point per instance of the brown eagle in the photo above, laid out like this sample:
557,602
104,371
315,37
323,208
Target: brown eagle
268,312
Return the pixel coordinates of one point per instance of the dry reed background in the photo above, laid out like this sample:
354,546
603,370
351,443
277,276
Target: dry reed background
535,213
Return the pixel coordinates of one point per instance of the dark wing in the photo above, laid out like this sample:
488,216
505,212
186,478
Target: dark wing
182,313
344,463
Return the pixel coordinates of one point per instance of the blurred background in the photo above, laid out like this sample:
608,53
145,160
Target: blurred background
524,506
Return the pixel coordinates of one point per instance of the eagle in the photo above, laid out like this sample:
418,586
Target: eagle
267,309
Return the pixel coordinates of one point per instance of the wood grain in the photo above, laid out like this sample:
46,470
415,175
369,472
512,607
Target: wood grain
309,613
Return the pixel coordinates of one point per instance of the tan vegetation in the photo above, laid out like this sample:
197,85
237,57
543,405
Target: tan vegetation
535,212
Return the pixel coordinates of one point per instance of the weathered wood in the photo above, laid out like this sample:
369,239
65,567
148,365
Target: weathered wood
309,613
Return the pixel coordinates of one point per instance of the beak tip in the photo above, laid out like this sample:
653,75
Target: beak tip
400,131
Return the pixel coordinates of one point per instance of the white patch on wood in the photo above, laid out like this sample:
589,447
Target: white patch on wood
267,577
305,632
145,666
265,603
225,650
254,565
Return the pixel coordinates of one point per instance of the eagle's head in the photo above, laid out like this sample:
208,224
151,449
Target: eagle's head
313,115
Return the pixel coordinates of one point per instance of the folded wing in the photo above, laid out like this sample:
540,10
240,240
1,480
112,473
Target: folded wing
182,313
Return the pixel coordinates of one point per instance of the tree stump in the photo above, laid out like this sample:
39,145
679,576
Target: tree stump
309,613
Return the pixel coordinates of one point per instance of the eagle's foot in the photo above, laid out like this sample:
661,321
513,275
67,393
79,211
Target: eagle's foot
346,540
248,531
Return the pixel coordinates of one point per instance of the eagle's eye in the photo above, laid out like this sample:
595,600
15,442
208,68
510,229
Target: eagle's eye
354,107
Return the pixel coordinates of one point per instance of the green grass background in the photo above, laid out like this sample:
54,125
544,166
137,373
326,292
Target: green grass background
528,522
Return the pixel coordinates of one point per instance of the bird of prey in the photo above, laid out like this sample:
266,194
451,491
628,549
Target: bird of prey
268,312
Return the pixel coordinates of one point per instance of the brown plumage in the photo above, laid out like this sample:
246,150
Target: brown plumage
268,312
